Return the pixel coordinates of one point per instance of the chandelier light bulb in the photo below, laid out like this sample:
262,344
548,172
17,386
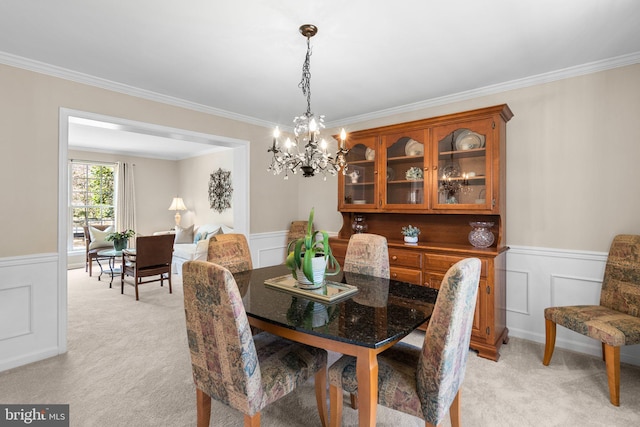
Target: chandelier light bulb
323,144
276,132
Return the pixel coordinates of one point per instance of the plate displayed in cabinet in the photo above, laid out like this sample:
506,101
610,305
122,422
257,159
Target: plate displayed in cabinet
370,154
468,140
414,148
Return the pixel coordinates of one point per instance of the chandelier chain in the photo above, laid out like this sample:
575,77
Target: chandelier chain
305,82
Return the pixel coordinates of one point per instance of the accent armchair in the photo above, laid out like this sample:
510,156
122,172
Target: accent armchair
616,321
92,246
152,257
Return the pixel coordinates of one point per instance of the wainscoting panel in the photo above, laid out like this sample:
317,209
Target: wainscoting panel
28,309
15,311
540,278
268,248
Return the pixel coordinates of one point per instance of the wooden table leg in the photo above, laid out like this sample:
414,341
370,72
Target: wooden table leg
367,374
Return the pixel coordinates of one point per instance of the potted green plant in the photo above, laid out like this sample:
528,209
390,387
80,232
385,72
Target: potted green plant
310,256
120,238
410,233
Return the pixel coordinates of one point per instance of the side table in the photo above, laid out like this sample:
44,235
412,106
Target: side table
110,255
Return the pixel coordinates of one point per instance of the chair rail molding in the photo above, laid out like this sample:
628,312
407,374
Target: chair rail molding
538,278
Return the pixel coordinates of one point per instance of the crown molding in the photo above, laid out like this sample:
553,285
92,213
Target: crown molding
63,73
66,74
565,73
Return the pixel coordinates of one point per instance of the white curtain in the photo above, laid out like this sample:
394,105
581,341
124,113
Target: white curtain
125,199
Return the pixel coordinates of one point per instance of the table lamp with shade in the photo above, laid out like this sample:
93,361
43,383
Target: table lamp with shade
177,205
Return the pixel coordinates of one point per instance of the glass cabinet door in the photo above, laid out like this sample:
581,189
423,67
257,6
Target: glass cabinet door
464,163
357,187
404,159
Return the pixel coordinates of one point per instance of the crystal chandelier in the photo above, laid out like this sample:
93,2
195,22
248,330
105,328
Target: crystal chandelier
308,151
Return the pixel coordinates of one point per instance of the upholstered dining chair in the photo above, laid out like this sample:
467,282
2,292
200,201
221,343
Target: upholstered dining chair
92,246
230,251
616,321
367,254
152,258
230,365
297,229
423,382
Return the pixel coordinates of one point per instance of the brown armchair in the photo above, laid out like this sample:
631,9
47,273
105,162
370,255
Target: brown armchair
92,247
152,257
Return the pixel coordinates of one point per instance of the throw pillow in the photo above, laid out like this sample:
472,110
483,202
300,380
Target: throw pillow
99,237
200,236
184,234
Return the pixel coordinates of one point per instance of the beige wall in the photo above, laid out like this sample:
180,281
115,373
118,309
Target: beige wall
194,188
29,115
572,158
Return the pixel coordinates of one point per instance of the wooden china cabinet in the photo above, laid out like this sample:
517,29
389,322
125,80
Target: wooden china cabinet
439,174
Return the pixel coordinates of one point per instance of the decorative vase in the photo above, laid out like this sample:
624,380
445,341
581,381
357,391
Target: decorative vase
319,267
481,235
120,244
411,239
359,225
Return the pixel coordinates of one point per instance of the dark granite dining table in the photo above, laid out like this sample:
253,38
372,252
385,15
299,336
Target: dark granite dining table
379,314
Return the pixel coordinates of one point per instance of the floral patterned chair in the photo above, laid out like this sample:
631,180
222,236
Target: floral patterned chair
242,371
230,251
616,321
367,254
423,382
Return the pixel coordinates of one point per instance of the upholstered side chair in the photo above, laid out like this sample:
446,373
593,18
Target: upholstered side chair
152,257
424,382
230,251
93,246
297,229
367,254
616,321
230,365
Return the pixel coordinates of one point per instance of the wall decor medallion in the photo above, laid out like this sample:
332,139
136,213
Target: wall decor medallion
220,190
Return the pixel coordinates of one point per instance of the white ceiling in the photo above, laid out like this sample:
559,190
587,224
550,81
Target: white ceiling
243,58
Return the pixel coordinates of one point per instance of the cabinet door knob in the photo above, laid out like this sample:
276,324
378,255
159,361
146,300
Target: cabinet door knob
394,258
394,275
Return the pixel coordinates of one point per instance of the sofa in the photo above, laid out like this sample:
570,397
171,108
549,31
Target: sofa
192,243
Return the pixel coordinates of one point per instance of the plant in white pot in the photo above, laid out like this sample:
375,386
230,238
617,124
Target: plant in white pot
310,258
410,233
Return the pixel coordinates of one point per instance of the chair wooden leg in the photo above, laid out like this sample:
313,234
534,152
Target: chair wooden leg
335,405
252,420
170,290
321,395
550,331
354,400
604,353
136,281
612,358
203,408
454,410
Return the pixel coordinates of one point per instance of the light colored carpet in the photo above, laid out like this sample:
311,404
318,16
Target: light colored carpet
128,365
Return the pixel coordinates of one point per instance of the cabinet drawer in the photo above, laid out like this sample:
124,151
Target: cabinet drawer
442,263
404,258
406,275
